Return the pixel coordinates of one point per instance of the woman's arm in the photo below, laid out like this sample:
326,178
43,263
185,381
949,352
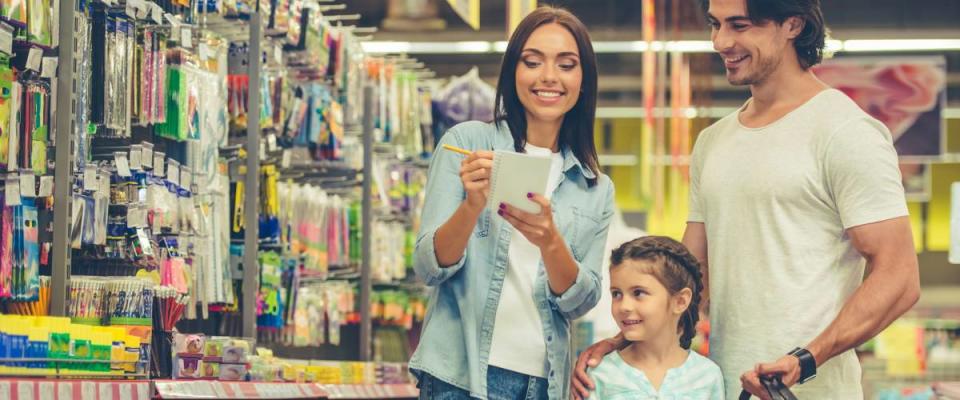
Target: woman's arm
448,216
574,287
451,239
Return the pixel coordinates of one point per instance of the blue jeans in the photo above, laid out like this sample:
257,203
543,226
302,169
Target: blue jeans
502,384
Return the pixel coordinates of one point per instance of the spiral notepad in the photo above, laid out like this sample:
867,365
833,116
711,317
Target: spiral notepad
513,176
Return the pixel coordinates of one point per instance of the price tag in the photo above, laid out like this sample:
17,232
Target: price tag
186,177
158,165
34,57
49,67
186,38
11,192
271,143
147,155
205,52
131,9
131,216
88,390
104,183
90,178
6,38
123,165
25,390
46,186
65,390
285,158
136,152
28,184
174,175
278,54
156,14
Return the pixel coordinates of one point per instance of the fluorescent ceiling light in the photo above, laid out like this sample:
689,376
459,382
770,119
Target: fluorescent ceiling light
833,46
385,47
639,46
901,45
619,46
690,46
373,47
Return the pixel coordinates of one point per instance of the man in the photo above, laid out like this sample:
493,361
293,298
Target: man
790,198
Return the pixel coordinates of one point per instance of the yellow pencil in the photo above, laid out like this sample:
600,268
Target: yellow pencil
457,150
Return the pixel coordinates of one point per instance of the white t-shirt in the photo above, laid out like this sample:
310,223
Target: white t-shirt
776,202
518,344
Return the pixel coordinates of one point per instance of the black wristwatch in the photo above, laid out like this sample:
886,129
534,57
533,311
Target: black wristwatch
808,365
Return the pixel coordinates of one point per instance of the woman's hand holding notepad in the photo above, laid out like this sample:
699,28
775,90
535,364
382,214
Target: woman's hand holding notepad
502,176
515,175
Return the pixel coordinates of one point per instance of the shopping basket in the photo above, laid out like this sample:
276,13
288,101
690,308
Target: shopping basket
775,387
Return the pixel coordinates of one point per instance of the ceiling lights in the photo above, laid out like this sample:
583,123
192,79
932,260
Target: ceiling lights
681,46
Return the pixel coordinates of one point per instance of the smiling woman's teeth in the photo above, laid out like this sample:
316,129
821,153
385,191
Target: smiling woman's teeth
548,94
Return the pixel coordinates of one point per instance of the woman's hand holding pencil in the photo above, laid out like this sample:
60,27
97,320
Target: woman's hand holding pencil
475,176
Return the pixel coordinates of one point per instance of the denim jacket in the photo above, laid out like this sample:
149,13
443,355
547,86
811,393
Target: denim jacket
457,334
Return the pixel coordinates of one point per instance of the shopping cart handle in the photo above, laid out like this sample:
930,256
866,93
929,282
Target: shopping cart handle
774,386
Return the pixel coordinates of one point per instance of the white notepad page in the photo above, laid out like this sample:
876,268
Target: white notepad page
513,176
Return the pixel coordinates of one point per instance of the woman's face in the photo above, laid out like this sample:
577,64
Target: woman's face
549,73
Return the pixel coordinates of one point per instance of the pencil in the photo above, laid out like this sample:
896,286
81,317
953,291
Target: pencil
457,150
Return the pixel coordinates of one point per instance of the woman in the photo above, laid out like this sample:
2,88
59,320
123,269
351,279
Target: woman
507,284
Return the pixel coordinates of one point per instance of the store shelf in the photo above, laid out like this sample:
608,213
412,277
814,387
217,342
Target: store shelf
238,390
265,390
43,389
395,391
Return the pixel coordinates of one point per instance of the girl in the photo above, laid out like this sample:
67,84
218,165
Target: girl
507,283
655,284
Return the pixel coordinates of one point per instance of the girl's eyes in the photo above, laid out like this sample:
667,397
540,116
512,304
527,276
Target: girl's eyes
531,64
635,293
567,67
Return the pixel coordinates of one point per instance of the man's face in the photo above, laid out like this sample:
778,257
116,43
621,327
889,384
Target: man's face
750,52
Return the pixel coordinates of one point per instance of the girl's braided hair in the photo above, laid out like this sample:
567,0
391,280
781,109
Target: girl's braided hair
675,268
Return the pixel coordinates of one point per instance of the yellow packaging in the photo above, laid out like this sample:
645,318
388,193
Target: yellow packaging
131,355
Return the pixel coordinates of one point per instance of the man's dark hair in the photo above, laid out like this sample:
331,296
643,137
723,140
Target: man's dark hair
809,44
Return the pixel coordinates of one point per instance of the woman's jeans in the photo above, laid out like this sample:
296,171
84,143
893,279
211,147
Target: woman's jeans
502,384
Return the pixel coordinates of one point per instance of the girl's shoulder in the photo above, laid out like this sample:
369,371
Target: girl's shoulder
612,364
700,365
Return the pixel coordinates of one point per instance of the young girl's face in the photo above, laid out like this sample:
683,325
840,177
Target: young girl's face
642,306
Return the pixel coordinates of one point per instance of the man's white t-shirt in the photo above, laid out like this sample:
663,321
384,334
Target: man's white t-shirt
518,344
776,202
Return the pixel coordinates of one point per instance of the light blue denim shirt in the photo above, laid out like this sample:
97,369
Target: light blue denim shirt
457,334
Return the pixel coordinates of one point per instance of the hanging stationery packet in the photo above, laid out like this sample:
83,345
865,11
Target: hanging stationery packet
30,276
179,271
15,11
6,250
13,126
89,220
6,90
38,26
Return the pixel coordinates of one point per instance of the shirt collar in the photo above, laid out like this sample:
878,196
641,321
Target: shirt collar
504,141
